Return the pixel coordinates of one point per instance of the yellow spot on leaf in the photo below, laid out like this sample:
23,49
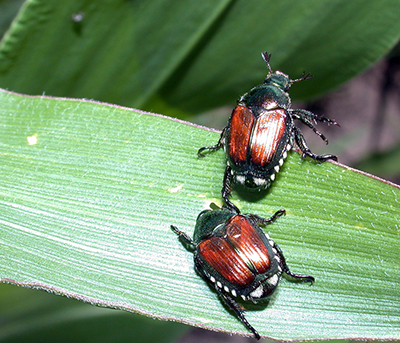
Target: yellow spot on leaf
32,140
176,189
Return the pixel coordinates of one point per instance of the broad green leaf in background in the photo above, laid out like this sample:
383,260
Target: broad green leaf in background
89,191
8,10
185,57
38,317
387,163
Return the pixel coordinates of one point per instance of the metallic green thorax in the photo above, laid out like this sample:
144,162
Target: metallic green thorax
208,221
273,93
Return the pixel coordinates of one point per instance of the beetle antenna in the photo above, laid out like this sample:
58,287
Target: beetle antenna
302,78
266,58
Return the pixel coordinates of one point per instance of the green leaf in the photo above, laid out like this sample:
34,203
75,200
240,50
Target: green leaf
89,191
187,56
8,10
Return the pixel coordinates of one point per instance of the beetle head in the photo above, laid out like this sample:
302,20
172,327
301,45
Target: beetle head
265,289
208,221
280,79
252,182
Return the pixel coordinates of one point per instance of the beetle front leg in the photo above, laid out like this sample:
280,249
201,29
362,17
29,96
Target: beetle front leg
307,121
299,113
226,189
301,142
265,221
184,238
235,307
214,147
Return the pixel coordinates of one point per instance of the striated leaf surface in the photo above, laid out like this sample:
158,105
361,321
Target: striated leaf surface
88,193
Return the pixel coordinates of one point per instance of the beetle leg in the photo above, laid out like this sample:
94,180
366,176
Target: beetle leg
286,270
184,238
213,147
301,142
300,113
226,189
307,122
235,307
265,221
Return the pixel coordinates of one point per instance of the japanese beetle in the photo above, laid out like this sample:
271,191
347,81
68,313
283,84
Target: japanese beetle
236,257
261,131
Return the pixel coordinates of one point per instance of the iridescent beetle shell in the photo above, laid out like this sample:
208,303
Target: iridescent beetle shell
235,256
261,131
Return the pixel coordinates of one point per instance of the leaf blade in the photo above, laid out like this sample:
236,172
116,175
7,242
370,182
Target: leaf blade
86,211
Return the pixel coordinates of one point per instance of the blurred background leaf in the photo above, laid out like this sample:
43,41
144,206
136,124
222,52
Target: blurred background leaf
189,60
31,316
187,57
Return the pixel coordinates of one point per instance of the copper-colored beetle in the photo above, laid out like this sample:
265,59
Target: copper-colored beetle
261,131
236,257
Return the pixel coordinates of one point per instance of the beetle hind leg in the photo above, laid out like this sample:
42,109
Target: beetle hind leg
298,277
301,142
235,307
